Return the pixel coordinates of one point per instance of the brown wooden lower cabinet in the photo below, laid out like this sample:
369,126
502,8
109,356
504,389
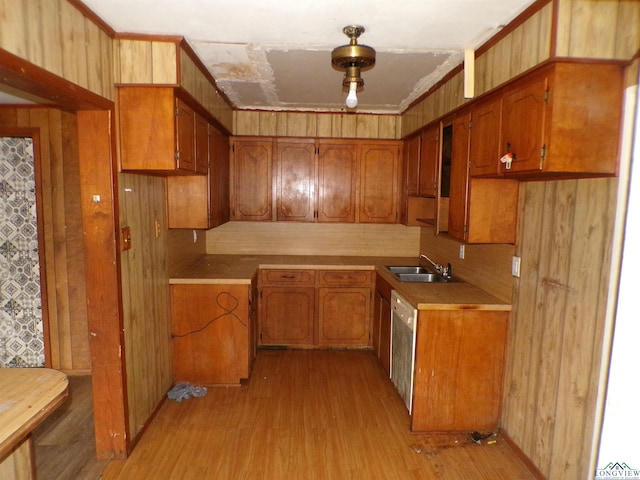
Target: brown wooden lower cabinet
459,370
382,324
287,316
211,333
309,308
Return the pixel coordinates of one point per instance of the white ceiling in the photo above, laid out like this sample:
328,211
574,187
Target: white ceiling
276,55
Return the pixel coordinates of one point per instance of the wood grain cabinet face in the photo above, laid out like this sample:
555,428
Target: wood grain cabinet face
382,324
481,210
337,181
211,333
563,121
379,172
287,307
251,179
157,132
295,176
412,165
460,357
429,161
484,137
308,308
202,202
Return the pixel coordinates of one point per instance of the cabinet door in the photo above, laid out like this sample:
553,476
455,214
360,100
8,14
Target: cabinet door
201,144
295,180
337,175
429,156
218,178
458,186
459,369
188,201
379,183
251,186
523,117
344,316
484,138
210,333
147,128
286,315
198,201
412,165
185,137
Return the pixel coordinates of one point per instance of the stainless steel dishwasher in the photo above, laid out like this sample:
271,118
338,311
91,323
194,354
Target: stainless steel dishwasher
403,346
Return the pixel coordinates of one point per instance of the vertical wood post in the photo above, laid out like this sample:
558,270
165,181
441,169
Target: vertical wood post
104,299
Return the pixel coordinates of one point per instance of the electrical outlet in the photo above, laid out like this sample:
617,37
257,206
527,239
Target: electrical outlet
515,266
461,254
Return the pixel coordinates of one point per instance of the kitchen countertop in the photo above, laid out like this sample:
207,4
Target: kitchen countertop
240,269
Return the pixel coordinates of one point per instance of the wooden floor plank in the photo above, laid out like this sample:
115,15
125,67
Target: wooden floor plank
306,414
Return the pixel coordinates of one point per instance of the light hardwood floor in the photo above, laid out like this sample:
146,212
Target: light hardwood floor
65,446
306,415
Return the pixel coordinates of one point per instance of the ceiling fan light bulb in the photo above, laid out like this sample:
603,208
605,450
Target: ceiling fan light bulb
352,98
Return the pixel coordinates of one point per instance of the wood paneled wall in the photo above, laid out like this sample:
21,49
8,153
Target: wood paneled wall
145,296
566,227
151,60
62,220
183,249
524,47
290,238
598,29
56,36
146,62
194,81
486,266
556,335
310,124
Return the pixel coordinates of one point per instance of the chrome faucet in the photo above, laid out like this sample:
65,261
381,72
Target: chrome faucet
441,269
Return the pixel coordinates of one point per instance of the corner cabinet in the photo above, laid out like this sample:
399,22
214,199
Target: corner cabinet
211,333
459,368
160,133
198,201
481,210
562,121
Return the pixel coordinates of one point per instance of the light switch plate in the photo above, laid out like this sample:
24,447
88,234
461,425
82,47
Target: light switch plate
515,266
461,254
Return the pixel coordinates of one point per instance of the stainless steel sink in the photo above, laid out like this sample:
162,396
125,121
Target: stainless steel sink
417,274
408,270
422,277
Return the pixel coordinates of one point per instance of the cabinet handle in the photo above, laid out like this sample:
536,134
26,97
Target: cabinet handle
289,276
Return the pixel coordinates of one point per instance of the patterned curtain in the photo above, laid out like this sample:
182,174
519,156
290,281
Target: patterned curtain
21,334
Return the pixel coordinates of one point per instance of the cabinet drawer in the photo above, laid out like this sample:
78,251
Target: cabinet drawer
346,277
284,277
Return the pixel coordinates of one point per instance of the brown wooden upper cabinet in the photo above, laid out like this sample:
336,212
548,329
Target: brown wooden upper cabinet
198,201
379,165
316,180
251,179
562,121
481,210
295,177
337,181
160,133
429,161
412,164
484,137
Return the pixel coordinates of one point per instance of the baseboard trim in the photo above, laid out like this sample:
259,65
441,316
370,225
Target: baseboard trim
521,455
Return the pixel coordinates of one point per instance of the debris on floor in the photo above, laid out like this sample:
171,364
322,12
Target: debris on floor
184,391
477,437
